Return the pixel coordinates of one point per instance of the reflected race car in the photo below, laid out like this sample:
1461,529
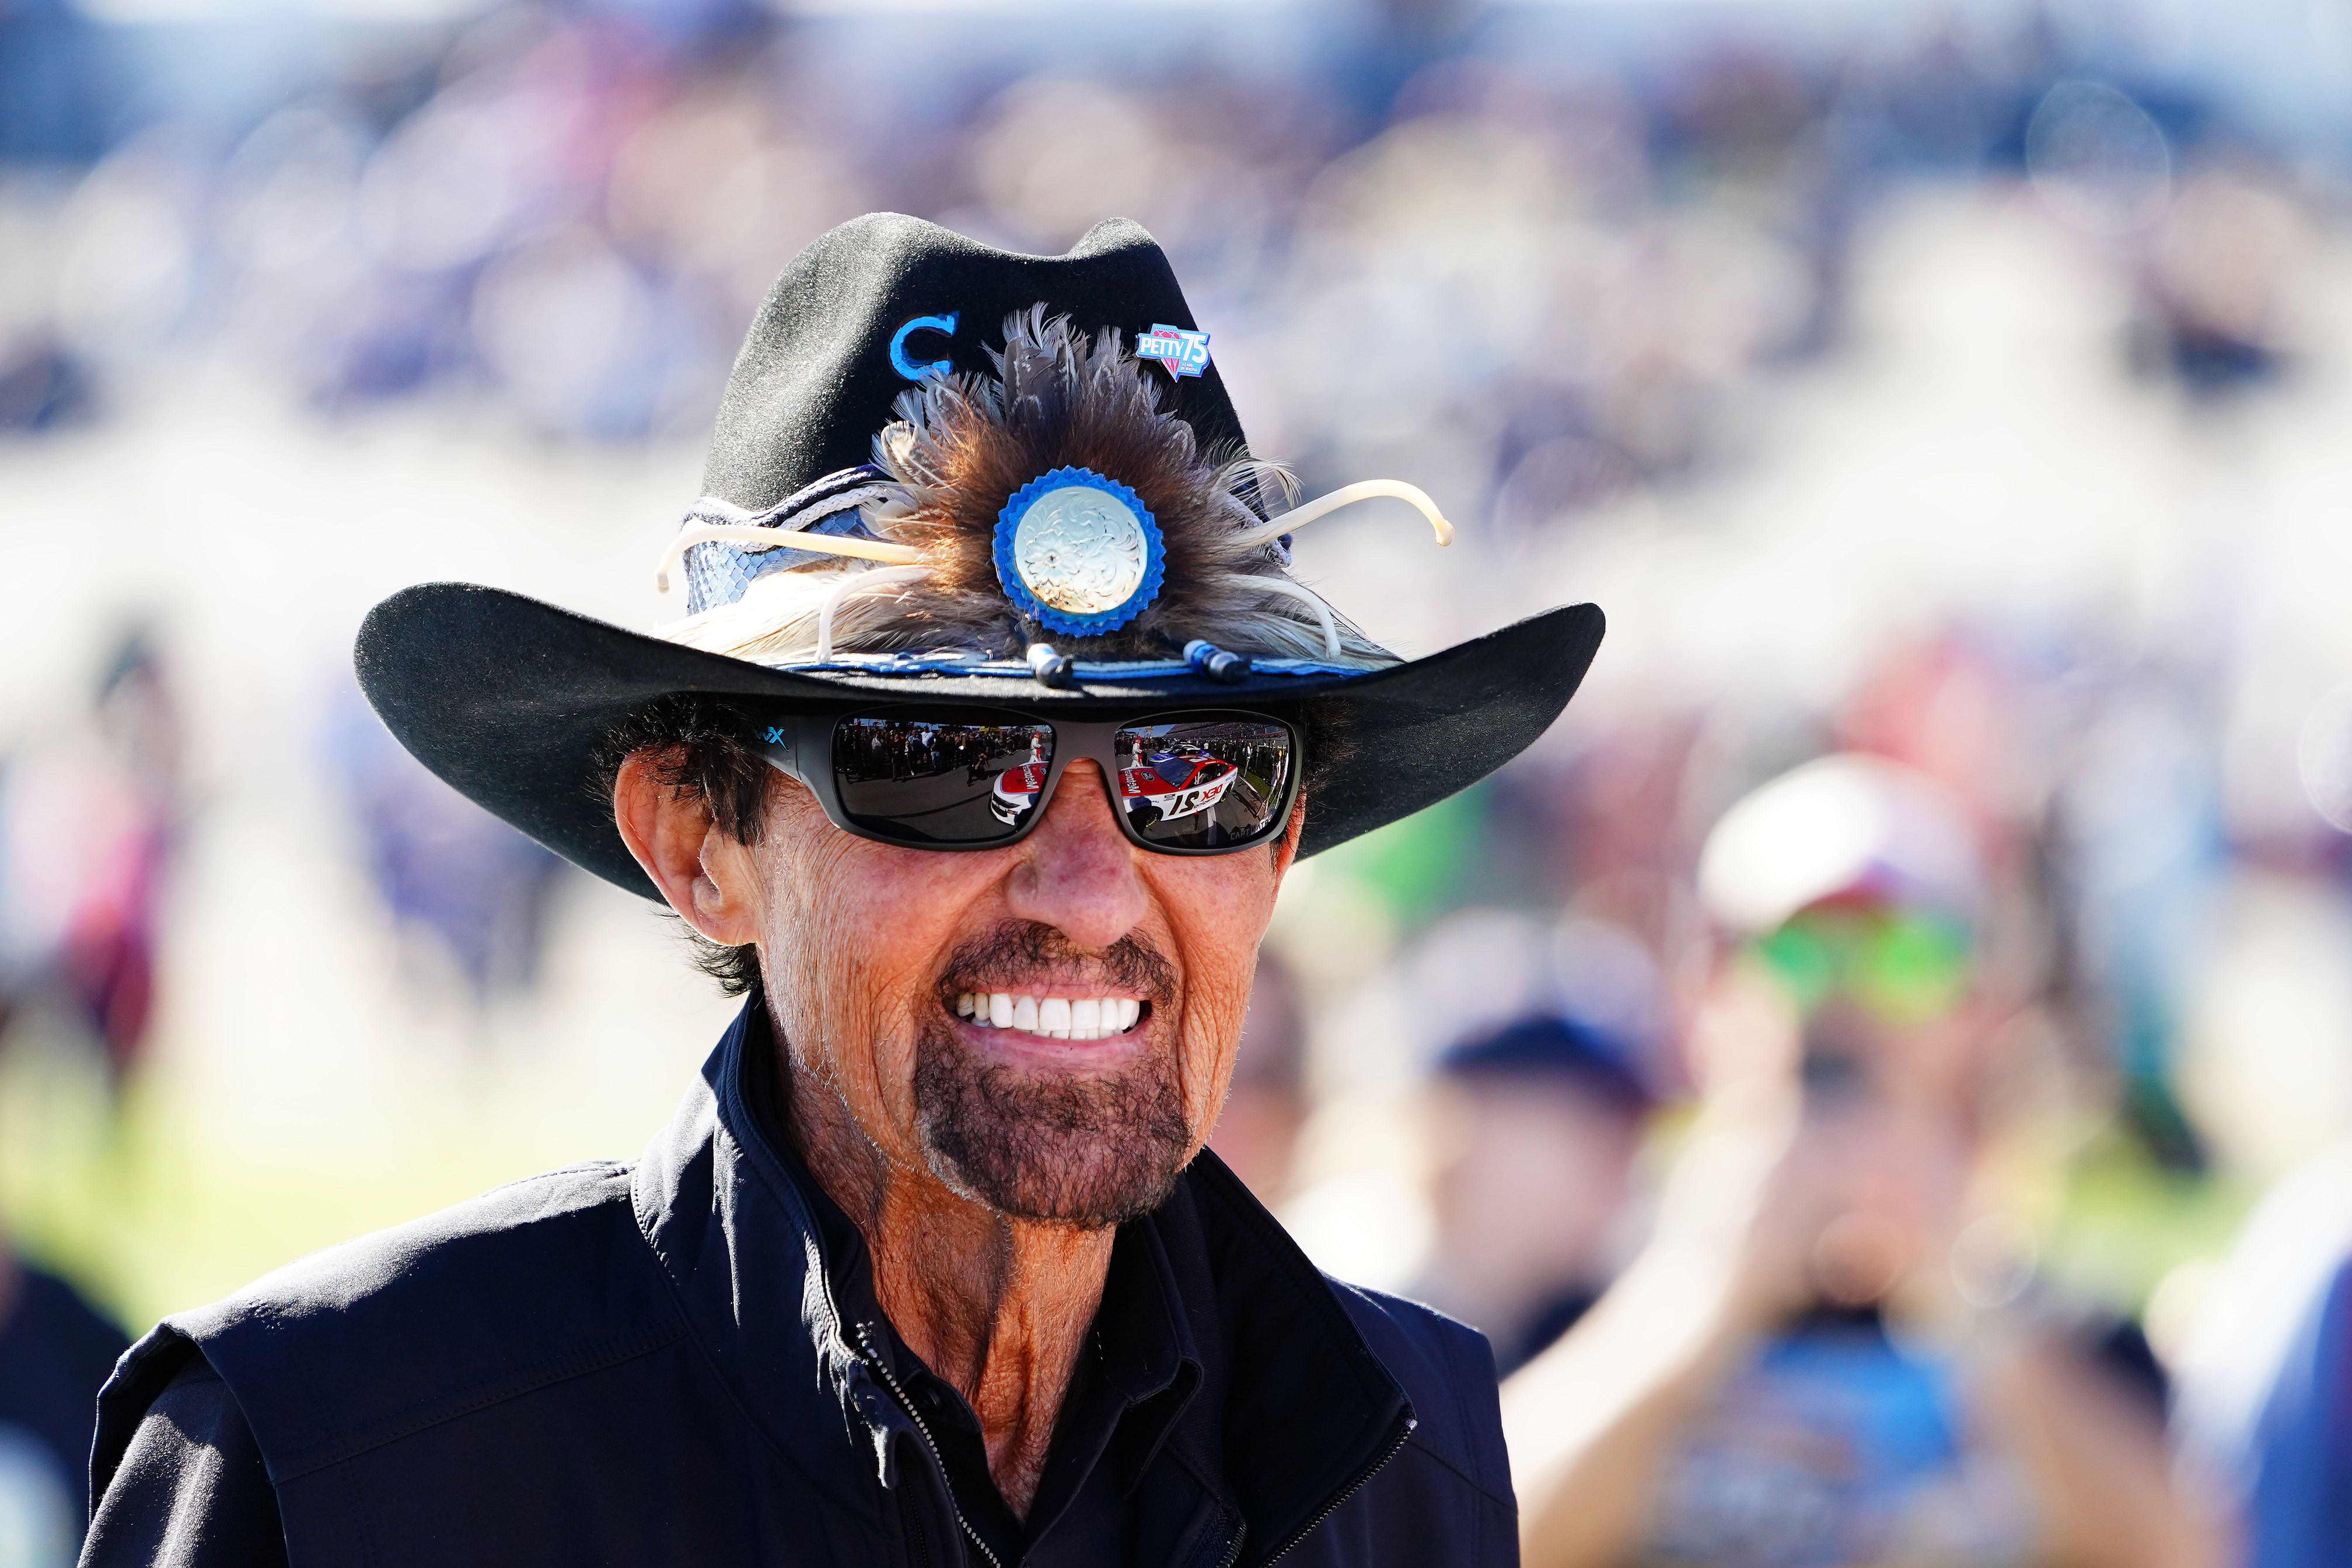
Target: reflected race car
1181,781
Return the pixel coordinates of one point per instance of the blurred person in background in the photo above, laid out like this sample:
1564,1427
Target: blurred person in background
88,819
928,1268
1823,1357
56,1351
112,948
1257,1134
441,864
2266,1379
1539,1123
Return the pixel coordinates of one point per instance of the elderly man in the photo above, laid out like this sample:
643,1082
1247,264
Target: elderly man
992,729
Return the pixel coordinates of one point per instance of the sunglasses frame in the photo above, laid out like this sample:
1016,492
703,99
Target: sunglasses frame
789,742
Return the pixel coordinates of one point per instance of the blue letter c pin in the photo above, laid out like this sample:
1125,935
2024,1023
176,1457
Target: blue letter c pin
943,326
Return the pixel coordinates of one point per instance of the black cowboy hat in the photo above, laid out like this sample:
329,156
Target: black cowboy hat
509,700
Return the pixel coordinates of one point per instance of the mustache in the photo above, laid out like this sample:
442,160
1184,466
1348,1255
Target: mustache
1027,951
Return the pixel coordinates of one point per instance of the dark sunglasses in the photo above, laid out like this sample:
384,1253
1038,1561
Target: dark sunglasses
1189,783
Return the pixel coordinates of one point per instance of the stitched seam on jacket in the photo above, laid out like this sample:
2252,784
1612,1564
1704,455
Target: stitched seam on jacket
584,1167
364,1522
614,1355
1459,1351
1467,1479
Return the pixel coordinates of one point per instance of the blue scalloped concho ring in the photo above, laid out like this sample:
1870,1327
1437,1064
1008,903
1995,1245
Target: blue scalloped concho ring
1079,553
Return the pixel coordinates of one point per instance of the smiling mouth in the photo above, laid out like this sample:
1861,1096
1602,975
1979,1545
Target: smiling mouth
1055,1018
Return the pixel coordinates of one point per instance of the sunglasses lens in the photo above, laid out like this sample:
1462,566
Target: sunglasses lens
1804,960
1215,782
1914,969
941,781
1902,968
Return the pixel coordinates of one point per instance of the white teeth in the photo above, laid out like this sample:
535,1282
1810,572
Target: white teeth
1055,1018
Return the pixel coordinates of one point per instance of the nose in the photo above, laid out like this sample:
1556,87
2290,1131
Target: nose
1078,872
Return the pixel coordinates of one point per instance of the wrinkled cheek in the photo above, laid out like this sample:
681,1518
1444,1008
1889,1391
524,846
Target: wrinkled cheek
836,1010
862,1027
1212,1042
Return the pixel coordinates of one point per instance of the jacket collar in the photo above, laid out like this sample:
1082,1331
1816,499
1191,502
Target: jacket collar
1293,1408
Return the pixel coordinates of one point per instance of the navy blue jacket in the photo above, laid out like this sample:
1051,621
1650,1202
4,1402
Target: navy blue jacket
664,1364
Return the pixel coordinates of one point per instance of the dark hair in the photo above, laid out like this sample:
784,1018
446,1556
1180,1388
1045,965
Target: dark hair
702,748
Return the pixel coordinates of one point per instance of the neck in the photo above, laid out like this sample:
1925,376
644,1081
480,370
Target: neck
999,1306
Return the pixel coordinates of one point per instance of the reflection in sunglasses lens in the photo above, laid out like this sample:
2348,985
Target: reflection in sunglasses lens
943,781
1212,783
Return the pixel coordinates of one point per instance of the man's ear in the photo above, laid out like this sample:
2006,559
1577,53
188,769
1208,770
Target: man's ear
706,875
1286,848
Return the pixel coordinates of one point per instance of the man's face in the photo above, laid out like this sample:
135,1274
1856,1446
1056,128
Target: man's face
1890,1018
1505,1135
867,948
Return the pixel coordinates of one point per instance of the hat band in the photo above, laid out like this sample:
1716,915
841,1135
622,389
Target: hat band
718,572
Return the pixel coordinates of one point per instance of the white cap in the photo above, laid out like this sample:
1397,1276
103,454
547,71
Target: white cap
1843,824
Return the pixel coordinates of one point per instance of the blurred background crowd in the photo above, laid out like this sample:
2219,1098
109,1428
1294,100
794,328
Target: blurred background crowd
1954,391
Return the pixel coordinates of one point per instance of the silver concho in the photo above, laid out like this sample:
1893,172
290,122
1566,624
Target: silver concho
1080,549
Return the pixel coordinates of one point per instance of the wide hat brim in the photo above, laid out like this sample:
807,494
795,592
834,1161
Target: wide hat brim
509,700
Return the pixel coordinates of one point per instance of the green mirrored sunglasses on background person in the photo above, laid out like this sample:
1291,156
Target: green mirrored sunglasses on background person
1900,966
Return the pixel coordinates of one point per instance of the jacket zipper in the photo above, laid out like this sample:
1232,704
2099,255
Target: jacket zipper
872,1358
1354,1486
